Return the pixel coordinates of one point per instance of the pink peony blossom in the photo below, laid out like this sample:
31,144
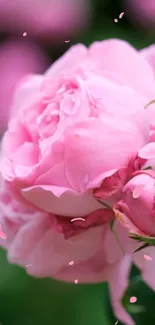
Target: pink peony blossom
17,59
44,19
69,133
75,128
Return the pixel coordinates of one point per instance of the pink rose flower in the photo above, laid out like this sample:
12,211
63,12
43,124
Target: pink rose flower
69,133
136,210
17,59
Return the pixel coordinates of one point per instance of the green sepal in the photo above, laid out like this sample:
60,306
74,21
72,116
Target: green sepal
111,224
140,248
150,103
143,239
147,168
146,241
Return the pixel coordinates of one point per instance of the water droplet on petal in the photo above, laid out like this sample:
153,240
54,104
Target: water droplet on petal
25,34
71,263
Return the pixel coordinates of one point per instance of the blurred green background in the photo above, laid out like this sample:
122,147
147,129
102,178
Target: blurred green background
28,301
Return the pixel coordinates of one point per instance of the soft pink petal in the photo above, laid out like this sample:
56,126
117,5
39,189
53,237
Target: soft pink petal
60,200
149,55
83,143
26,93
118,283
114,55
148,151
146,267
37,241
71,59
14,137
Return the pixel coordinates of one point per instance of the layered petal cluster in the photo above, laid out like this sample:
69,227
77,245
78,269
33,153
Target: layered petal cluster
78,136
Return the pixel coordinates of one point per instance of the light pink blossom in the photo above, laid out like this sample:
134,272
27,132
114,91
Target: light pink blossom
17,59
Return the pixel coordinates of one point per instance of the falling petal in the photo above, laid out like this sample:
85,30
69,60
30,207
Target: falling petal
133,300
121,15
77,219
116,20
76,281
148,258
71,263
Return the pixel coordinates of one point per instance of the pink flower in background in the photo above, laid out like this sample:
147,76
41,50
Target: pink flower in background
17,59
141,11
44,18
136,210
69,133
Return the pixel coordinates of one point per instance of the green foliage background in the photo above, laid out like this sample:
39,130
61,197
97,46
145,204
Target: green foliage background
28,301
